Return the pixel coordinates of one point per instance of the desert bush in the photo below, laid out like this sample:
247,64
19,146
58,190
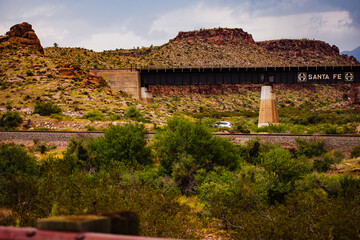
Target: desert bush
46,108
94,116
126,144
310,148
29,73
77,157
253,150
315,119
241,128
161,214
307,215
283,171
184,147
323,163
90,128
18,182
10,120
297,129
332,129
114,117
134,113
355,152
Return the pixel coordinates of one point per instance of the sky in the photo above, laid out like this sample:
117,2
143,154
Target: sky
114,24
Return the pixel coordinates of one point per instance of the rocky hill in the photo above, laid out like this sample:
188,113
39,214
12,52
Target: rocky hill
21,35
211,47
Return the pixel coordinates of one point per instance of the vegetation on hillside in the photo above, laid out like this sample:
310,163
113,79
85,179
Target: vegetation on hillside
193,189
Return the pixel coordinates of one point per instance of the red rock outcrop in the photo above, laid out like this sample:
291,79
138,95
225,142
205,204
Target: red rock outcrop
299,46
22,34
354,95
73,71
69,70
217,36
305,48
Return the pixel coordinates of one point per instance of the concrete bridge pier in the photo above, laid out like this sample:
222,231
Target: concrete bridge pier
268,113
146,95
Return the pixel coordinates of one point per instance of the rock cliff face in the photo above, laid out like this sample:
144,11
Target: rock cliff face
235,47
300,46
354,95
217,36
297,49
21,34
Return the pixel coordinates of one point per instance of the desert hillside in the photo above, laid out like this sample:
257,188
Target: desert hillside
208,48
30,75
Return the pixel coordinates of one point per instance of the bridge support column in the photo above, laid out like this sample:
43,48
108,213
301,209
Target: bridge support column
268,113
146,95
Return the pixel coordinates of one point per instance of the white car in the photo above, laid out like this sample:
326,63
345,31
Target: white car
223,124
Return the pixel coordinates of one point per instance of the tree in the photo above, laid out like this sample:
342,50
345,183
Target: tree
10,120
46,108
283,171
18,181
185,147
310,148
126,144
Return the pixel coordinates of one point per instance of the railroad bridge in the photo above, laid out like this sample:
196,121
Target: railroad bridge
136,81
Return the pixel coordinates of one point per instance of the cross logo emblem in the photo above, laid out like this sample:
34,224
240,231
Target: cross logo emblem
349,76
302,77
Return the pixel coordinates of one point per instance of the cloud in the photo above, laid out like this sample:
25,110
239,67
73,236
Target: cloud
49,34
194,16
5,27
41,11
300,25
332,26
107,41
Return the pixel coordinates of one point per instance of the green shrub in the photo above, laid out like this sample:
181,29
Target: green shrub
315,119
77,157
310,148
241,128
132,112
46,108
283,171
253,150
332,129
185,147
29,73
355,152
90,128
115,117
10,120
18,182
135,114
160,214
126,144
94,116
323,163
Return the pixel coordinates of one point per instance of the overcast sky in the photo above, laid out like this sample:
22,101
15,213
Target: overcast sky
110,24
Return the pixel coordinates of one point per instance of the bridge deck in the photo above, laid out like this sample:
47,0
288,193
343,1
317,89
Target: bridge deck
251,75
